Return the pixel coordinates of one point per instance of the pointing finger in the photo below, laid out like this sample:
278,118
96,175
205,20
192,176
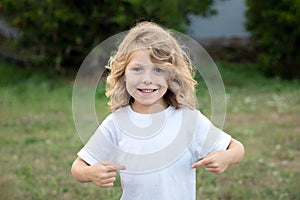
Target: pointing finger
203,162
114,166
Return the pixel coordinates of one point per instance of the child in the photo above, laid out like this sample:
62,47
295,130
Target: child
154,136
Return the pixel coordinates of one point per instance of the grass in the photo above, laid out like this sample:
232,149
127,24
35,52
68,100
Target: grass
38,140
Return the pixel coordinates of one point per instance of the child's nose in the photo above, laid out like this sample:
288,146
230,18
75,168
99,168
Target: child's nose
147,78
147,82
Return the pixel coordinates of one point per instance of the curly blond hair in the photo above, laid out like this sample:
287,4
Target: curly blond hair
165,51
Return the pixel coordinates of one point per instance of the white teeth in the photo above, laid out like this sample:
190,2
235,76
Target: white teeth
147,90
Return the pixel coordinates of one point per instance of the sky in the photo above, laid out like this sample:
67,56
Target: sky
228,22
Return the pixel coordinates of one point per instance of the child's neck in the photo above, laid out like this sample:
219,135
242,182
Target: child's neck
148,109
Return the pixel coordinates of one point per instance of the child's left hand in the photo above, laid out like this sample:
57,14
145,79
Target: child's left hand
216,162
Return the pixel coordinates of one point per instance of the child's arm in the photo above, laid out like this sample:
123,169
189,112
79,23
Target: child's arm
218,161
102,174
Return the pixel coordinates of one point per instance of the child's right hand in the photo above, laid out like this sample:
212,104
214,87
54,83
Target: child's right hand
104,174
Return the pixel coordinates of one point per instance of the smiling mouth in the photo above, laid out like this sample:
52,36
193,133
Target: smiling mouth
147,90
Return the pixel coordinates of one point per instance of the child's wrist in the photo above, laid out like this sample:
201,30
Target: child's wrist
233,156
88,174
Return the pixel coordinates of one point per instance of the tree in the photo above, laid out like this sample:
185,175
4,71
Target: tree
276,27
61,33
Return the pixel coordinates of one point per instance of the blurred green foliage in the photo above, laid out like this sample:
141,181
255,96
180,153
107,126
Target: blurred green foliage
61,33
276,27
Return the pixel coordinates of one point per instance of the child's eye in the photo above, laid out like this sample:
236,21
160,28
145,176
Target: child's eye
158,70
136,69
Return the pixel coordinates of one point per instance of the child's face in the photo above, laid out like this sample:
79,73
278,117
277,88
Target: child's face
145,82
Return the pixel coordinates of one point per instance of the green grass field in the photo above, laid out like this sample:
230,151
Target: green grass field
38,140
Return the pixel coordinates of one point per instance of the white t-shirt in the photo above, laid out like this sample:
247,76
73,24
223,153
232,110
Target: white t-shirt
156,149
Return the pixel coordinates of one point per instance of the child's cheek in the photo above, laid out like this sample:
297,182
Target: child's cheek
162,81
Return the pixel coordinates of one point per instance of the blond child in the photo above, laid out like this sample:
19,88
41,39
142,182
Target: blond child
154,137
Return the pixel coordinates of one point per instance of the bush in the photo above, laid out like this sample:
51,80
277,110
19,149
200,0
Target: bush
61,33
276,27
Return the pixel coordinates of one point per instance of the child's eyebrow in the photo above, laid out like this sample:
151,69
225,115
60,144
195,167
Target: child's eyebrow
142,65
137,63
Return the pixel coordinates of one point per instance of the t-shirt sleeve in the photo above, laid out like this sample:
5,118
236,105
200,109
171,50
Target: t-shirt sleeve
100,146
208,138
86,156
